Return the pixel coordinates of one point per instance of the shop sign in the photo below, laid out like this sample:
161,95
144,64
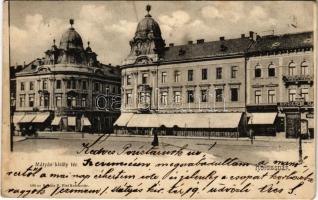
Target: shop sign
310,115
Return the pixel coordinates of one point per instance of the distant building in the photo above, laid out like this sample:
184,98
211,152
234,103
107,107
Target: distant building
66,90
218,88
280,84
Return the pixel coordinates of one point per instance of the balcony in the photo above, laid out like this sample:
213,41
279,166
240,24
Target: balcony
298,79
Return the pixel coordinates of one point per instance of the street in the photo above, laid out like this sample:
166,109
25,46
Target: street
219,148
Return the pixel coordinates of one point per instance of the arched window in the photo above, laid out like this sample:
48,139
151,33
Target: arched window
291,68
271,70
304,68
258,71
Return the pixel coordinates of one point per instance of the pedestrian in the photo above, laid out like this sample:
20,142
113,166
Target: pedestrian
155,141
252,137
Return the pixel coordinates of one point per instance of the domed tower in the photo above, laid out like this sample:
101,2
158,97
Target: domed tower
71,47
147,44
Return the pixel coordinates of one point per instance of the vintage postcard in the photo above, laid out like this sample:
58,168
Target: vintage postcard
159,99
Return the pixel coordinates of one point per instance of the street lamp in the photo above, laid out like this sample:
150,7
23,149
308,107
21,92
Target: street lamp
300,149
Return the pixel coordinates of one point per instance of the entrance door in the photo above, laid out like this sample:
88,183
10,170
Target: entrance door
292,125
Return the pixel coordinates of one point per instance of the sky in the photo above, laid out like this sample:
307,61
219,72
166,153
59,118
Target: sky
109,26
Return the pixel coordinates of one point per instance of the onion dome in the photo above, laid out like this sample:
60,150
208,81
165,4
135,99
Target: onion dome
71,39
148,27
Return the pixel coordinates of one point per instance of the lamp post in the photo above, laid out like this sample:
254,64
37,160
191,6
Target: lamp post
298,129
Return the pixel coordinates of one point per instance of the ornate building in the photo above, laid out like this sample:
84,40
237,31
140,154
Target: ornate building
195,89
68,90
280,84
218,88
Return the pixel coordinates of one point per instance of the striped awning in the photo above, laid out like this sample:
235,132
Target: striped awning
27,118
41,117
123,119
56,121
17,117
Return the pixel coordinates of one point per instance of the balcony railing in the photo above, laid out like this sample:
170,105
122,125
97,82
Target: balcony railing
297,79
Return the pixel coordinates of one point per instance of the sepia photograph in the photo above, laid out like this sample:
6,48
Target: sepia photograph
159,99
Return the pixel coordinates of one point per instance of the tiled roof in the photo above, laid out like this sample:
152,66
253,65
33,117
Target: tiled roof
283,42
206,50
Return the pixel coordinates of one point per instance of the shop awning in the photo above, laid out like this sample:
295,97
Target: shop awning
41,117
311,123
56,121
262,118
17,117
71,121
85,121
189,120
27,118
123,119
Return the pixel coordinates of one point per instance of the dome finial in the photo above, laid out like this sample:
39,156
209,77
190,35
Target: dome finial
88,43
71,22
148,8
54,41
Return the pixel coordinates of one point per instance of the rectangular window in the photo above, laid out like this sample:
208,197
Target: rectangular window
164,98
218,95
292,95
204,96
31,100
84,102
234,94
31,85
163,77
233,71
190,75
177,97
204,74
68,84
44,85
177,76
73,101
73,84
58,101
219,73
144,78
292,70
22,100
258,96
271,71
46,101
96,87
304,94
22,86
128,98
84,85
304,69
271,96
128,79
58,84
190,96
69,101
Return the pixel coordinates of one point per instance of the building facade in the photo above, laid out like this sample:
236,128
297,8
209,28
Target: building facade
219,88
67,90
280,84
197,89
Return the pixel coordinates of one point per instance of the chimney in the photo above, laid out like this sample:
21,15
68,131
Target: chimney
171,45
222,38
242,35
190,42
200,41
